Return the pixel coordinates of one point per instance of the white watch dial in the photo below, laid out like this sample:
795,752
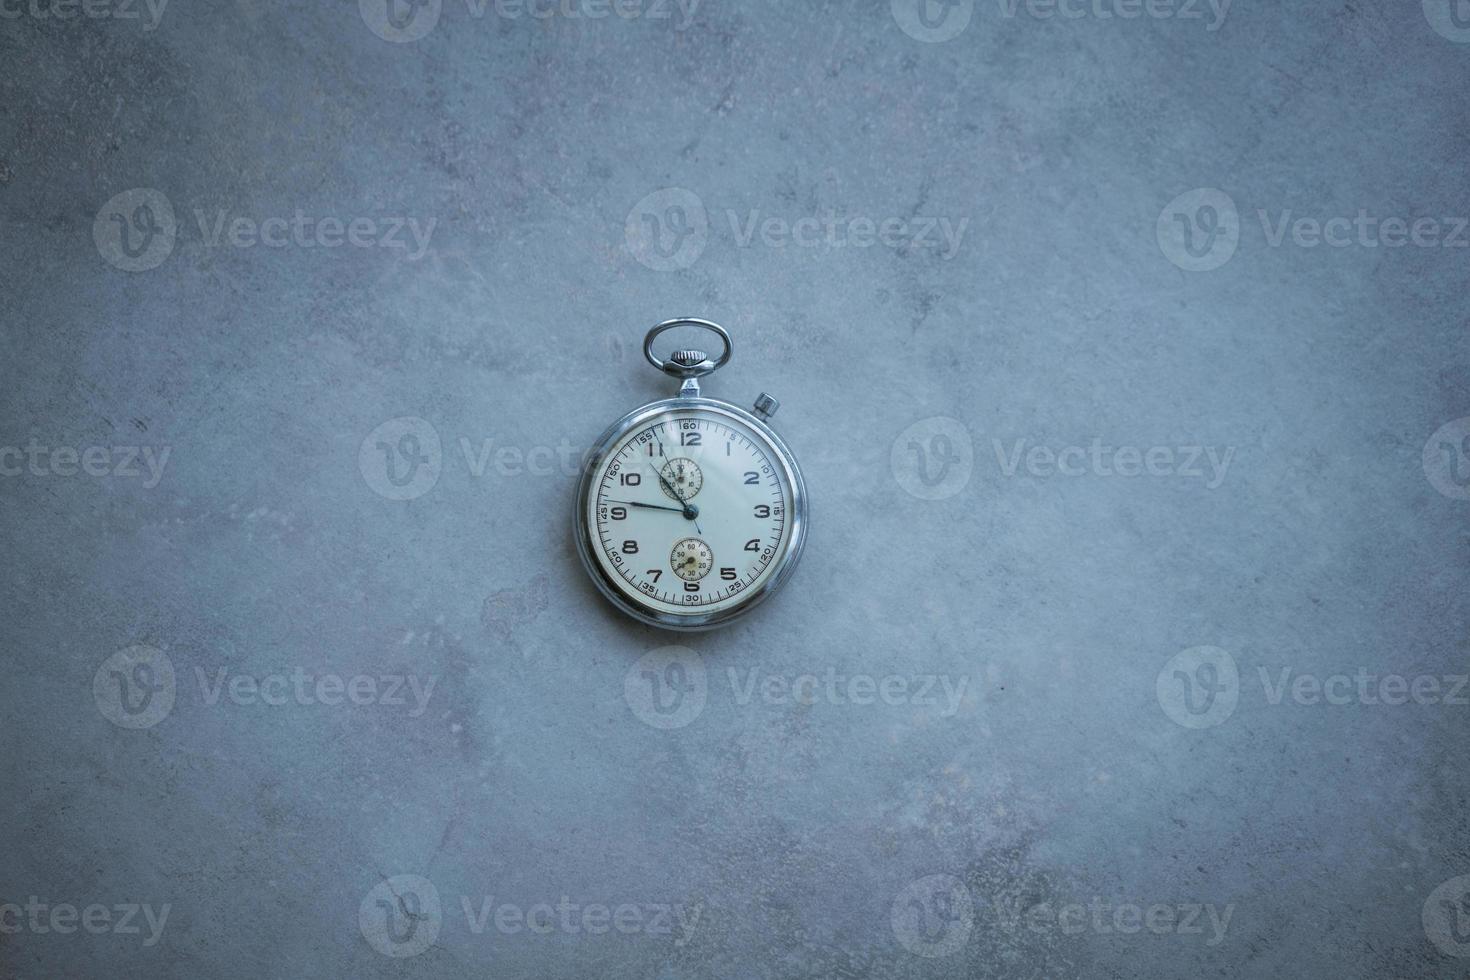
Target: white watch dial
689,512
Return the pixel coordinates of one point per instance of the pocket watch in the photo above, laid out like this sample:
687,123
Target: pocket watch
691,511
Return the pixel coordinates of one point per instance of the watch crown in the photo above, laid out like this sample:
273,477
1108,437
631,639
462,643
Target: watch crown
689,358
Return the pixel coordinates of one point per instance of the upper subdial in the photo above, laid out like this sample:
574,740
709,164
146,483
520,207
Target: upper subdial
682,478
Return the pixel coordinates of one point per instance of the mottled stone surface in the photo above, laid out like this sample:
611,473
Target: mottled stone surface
1075,687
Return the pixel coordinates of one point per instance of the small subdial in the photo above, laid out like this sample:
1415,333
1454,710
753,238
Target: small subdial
691,559
682,478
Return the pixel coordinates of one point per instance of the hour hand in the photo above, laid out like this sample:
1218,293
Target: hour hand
634,503
688,510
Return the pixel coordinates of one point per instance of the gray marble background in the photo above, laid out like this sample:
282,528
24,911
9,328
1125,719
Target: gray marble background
1136,592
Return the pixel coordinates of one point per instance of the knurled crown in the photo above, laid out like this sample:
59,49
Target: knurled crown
688,358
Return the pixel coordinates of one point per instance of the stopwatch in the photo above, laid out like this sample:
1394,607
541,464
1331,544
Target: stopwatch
691,511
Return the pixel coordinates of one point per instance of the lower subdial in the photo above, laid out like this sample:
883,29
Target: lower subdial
691,559
682,478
